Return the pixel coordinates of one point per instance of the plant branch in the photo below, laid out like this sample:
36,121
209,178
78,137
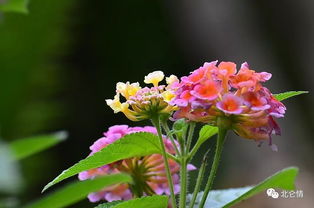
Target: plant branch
199,179
190,136
183,171
219,145
156,123
167,130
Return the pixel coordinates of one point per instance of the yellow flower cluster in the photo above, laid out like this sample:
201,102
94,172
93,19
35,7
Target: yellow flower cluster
144,103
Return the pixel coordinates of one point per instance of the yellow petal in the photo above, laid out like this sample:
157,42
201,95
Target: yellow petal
172,79
168,95
120,87
133,88
154,78
127,89
116,105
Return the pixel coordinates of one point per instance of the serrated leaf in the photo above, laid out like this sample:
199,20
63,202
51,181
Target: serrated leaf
155,201
23,148
286,95
14,6
283,179
132,145
74,192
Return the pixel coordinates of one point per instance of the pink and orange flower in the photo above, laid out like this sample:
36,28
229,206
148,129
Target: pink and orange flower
148,172
219,91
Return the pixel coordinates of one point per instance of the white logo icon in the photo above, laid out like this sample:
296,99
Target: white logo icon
271,192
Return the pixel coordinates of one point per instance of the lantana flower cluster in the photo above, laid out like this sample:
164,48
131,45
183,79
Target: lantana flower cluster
148,172
214,93
141,103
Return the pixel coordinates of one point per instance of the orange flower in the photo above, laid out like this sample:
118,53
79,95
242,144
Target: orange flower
213,92
230,104
207,90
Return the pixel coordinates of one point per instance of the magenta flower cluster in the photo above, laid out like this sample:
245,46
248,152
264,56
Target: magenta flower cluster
153,176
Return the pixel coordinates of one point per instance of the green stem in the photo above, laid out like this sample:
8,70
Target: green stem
194,150
167,129
183,180
190,136
219,144
156,123
199,180
173,158
183,171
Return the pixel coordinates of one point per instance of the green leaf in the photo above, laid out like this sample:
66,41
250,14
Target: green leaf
79,190
286,95
132,145
14,6
23,148
155,201
283,179
205,133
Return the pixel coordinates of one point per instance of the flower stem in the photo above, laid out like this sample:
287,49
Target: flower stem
183,180
199,180
183,170
156,123
219,144
166,128
190,136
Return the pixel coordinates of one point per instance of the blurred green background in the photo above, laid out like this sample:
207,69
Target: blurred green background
61,61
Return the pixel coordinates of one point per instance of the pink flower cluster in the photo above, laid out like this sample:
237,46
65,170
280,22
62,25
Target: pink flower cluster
151,175
214,91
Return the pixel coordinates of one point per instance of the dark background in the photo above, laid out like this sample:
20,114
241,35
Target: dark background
60,62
